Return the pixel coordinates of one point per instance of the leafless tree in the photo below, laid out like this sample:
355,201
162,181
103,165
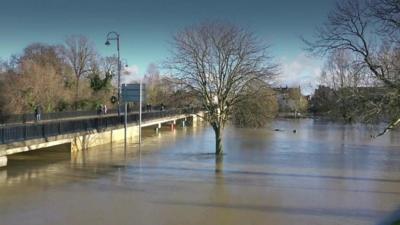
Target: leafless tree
38,77
79,53
36,84
216,61
154,86
351,27
344,77
387,12
341,71
109,66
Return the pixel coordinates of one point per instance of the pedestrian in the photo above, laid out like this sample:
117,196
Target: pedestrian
104,109
38,112
99,109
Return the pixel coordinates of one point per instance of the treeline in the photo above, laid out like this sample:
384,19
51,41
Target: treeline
68,76
73,76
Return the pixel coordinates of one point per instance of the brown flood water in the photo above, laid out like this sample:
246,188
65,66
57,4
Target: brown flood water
325,173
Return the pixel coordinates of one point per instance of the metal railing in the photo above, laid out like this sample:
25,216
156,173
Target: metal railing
45,129
30,117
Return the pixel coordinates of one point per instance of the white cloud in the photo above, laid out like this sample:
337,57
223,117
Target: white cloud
301,71
130,74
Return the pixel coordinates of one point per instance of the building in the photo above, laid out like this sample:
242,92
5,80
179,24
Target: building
290,99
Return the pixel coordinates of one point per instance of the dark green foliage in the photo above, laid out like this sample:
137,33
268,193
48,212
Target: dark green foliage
97,83
396,223
63,106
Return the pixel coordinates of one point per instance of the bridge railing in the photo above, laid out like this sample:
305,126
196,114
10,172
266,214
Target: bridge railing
45,129
30,117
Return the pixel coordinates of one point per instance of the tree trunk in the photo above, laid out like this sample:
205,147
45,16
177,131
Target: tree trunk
218,140
76,94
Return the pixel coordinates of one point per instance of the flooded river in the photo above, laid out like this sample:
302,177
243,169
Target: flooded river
324,173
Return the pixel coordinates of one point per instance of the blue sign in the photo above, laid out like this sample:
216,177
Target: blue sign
131,92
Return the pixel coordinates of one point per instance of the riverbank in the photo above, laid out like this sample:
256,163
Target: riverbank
291,115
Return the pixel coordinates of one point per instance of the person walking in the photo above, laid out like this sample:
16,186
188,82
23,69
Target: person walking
38,112
104,109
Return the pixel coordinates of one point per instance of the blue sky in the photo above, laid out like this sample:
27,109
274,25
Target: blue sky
146,27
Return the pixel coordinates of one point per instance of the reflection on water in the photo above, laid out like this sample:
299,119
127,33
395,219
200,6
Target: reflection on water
325,173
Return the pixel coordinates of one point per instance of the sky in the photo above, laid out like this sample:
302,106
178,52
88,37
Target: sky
146,28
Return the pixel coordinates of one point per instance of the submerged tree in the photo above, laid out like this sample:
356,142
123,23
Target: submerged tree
216,61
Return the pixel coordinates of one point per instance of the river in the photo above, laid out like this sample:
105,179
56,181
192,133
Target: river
324,173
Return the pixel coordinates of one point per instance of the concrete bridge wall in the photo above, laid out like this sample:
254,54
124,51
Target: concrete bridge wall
88,139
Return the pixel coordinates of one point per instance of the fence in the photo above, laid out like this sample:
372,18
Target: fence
30,117
20,132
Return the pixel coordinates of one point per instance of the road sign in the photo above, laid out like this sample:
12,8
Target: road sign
131,92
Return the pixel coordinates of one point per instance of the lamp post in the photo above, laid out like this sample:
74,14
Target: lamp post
112,36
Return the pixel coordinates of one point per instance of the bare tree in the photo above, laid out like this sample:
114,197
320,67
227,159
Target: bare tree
79,53
351,27
216,61
344,78
387,12
35,85
109,66
38,77
154,88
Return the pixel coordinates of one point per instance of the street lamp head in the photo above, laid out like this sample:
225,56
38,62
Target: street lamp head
124,63
107,43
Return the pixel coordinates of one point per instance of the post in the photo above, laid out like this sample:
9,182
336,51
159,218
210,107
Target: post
2,135
140,113
126,120
158,128
119,77
3,161
109,38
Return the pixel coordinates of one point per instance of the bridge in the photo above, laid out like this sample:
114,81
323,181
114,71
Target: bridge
86,131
